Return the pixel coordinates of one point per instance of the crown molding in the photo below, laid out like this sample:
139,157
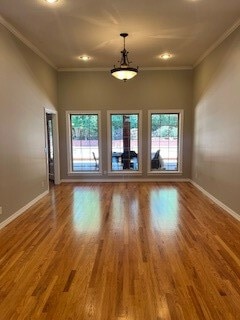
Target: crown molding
167,68
108,69
81,69
218,42
31,46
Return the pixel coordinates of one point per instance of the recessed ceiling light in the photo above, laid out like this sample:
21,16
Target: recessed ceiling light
166,56
51,1
84,58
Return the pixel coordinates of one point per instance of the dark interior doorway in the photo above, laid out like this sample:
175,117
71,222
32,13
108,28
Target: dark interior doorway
49,121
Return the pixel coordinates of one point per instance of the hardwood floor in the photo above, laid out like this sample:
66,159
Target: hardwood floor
115,251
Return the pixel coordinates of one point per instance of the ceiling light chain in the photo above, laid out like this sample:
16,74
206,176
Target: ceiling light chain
124,72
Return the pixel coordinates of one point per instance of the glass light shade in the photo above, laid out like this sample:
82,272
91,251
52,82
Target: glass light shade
84,58
124,73
166,56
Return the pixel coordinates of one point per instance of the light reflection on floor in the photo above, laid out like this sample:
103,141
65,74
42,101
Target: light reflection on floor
164,209
87,210
124,207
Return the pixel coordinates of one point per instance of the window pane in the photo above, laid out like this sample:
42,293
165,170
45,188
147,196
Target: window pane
85,142
124,142
165,141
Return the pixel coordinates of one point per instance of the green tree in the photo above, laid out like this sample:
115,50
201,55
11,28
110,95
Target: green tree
165,125
117,124
85,126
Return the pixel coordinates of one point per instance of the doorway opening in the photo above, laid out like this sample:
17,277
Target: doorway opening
52,147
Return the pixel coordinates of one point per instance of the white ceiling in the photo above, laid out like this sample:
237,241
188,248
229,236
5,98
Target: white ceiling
70,28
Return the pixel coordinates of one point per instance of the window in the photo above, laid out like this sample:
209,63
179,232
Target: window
124,133
165,141
83,132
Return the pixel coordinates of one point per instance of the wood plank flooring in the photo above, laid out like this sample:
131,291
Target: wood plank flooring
116,251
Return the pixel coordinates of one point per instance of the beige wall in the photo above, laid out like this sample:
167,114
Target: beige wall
27,85
216,151
149,90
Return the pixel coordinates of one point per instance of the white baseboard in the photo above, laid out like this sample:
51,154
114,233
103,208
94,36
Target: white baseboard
218,202
22,210
126,180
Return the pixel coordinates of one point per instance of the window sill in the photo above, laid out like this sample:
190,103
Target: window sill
164,172
124,172
79,173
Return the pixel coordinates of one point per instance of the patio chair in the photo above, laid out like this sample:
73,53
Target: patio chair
157,161
95,159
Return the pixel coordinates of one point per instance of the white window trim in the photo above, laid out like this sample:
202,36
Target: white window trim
180,141
109,147
69,149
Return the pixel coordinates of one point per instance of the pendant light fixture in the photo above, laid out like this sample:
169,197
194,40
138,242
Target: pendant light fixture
124,71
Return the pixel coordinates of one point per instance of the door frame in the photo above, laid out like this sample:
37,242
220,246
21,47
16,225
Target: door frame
56,158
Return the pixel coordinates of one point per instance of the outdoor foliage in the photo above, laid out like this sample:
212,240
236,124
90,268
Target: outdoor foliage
117,125
85,126
165,125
